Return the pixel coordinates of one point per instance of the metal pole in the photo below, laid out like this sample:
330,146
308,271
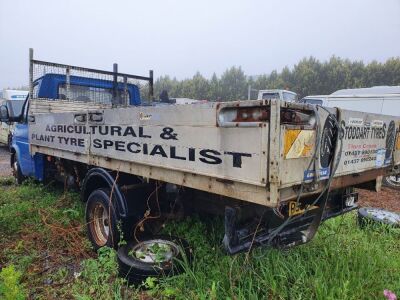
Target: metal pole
68,83
249,92
126,96
115,83
151,91
30,73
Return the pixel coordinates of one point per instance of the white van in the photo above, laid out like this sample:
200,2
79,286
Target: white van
379,99
14,99
277,94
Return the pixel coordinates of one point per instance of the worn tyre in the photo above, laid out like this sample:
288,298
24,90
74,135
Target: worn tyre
16,170
373,216
153,257
392,181
101,219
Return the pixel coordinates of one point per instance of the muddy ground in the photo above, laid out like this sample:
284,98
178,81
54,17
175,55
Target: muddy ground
387,198
5,169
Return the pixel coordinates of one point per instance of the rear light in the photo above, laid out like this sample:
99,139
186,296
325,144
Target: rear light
252,115
297,117
243,114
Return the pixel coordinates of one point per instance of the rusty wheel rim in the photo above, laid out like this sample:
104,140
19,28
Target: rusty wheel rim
100,224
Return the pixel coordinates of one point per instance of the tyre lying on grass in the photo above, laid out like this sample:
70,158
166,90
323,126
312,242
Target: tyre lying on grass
372,215
392,181
155,256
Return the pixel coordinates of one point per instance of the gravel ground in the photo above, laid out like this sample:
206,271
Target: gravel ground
387,198
5,169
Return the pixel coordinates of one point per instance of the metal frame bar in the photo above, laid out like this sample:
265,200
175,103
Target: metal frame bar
34,61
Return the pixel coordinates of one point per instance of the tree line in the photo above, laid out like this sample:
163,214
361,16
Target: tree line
309,77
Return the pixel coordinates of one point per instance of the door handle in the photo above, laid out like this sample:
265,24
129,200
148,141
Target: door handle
31,119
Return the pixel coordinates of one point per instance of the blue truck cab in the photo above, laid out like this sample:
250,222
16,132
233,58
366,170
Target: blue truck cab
53,87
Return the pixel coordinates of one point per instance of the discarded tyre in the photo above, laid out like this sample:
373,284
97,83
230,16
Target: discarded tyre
392,181
153,257
328,141
371,216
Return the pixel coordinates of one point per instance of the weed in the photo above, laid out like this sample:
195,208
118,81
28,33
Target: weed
342,262
10,287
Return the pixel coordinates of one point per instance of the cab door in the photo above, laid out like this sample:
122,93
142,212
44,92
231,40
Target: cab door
20,143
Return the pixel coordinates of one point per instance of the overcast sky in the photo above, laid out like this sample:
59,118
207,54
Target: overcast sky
181,37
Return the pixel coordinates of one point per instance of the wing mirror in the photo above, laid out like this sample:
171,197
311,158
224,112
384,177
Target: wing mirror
4,114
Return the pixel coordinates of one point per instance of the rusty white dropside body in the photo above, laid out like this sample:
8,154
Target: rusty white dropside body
201,147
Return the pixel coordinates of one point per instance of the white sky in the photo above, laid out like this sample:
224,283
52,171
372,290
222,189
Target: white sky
181,37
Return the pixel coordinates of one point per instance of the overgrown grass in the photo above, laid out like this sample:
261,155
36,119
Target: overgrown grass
342,262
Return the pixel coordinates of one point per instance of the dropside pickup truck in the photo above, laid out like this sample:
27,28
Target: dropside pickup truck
273,169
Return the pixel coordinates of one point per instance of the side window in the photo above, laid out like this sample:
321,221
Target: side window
314,101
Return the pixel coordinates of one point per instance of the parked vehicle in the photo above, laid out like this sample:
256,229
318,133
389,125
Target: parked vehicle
283,95
378,99
274,169
14,99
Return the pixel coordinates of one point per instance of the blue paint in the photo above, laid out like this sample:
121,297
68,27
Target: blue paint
48,86
323,174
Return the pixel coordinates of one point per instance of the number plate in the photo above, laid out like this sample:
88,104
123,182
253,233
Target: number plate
295,209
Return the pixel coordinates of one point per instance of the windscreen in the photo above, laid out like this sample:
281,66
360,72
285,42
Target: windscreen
270,96
312,101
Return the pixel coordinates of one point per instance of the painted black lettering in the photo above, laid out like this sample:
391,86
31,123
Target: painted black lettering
192,154
237,158
115,130
107,143
103,130
97,143
209,157
141,133
172,151
129,131
81,142
145,149
129,147
119,146
158,150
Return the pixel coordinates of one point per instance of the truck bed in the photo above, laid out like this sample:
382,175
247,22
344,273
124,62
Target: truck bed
191,145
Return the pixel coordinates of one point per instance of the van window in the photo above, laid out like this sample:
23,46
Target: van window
313,101
90,94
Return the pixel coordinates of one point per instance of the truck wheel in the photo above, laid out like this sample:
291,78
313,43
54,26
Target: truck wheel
152,257
371,215
16,170
392,181
101,219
